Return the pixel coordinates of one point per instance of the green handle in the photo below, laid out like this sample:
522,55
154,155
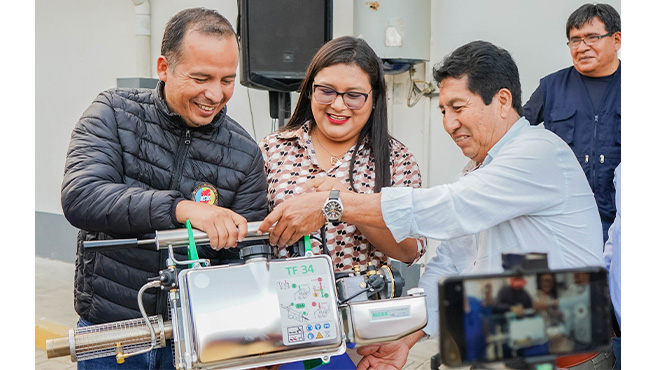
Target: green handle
313,363
192,252
306,243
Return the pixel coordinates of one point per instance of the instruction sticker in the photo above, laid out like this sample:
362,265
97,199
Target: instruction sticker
306,311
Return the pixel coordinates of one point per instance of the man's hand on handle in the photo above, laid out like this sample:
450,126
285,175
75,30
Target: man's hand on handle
224,227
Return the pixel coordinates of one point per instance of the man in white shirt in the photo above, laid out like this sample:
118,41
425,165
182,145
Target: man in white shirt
524,191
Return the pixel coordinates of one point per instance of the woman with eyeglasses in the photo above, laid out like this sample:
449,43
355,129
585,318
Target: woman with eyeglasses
338,139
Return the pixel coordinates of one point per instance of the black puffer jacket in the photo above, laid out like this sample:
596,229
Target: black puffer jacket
129,163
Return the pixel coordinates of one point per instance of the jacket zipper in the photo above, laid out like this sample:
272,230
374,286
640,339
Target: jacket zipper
594,146
180,156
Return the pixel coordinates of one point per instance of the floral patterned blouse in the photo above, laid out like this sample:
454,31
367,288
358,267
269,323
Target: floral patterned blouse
290,160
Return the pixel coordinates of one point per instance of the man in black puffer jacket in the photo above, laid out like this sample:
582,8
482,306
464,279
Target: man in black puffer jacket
144,160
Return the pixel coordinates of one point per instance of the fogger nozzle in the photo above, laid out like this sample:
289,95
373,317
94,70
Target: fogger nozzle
116,338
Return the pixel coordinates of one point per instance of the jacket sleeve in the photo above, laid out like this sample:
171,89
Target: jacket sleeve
94,197
534,108
251,199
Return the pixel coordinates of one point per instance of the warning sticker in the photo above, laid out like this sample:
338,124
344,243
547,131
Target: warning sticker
295,334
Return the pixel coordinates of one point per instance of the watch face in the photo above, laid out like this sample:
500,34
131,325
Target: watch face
332,210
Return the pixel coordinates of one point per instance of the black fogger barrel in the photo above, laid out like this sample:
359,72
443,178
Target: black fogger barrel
176,238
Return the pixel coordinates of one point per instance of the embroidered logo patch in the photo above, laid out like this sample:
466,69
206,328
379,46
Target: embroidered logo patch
206,193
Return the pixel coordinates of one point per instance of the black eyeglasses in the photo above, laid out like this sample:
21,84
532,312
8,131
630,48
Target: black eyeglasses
352,99
589,40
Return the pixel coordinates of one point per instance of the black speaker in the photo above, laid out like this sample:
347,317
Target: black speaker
278,40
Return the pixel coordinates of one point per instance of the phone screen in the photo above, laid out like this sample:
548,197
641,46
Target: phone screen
501,317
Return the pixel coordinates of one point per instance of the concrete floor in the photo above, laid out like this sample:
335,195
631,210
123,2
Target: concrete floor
55,315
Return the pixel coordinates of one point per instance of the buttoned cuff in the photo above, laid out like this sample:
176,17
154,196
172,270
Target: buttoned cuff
396,206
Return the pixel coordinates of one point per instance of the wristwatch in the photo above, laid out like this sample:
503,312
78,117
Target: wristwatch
333,209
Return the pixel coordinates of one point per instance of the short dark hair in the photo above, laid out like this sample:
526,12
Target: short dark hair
203,20
584,14
488,68
353,51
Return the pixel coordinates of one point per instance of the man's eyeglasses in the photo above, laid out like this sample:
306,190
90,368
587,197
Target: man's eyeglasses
574,43
352,99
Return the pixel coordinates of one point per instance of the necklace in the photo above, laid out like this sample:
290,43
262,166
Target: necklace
333,158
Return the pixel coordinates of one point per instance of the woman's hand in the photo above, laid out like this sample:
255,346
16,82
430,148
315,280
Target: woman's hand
323,183
295,217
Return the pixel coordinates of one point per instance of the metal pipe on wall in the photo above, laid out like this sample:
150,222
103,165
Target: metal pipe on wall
142,37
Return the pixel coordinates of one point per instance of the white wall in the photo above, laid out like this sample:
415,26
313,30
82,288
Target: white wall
82,46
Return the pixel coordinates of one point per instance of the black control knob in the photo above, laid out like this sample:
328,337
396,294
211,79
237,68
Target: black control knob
258,250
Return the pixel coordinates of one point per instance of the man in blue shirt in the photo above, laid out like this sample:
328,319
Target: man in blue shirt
522,192
582,103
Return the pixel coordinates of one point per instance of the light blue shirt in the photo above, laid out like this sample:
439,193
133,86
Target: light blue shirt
613,250
529,195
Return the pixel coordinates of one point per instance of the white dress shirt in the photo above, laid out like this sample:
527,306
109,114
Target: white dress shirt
529,195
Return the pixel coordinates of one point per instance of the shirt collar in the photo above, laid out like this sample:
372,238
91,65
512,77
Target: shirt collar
511,134
302,133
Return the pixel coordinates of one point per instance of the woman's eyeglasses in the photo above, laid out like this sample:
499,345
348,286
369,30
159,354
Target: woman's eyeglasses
352,99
